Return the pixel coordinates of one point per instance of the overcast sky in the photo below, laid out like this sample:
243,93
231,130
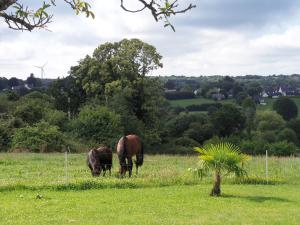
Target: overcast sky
226,37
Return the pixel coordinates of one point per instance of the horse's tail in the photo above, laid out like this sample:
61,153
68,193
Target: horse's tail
123,152
140,156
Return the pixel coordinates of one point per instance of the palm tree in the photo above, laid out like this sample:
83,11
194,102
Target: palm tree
222,157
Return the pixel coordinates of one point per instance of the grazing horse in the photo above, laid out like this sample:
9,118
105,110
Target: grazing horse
127,147
99,159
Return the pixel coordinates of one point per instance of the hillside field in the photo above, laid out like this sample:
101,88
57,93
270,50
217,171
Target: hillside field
38,189
198,101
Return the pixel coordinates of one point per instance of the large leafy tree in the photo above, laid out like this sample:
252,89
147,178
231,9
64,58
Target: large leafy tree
286,107
127,59
227,120
19,15
221,158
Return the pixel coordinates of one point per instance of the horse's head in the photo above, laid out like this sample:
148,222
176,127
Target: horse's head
122,170
94,164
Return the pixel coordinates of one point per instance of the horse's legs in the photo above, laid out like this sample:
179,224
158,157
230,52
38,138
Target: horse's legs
137,168
130,166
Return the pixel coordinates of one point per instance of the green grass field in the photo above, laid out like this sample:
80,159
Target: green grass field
35,189
198,101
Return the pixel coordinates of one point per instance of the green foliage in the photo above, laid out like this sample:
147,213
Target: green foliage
127,59
266,135
12,96
224,157
98,125
294,124
288,135
269,120
249,109
56,118
286,107
228,120
283,148
253,147
30,112
42,137
5,137
199,131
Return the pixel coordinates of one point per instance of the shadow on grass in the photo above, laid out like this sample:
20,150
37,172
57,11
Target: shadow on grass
258,199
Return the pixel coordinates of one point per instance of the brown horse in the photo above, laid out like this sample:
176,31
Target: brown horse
127,147
99,159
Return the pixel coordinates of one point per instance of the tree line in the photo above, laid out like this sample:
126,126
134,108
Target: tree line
108,94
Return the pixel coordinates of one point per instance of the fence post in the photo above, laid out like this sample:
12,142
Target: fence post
66,165
267,166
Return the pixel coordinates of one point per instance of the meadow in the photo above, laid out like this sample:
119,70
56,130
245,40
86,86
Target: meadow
39,189
199,101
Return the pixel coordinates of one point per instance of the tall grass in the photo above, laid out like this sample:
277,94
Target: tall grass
47,171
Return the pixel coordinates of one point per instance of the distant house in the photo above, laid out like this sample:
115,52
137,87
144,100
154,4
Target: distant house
218,96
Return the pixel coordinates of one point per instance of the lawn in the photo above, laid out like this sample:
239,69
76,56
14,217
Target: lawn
196,101
35,189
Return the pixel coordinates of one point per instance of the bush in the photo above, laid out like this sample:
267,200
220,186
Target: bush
283,148
267,136
288,135
199,132
98,125
40,138
295,126
257,147
30,112
186,142
5,137
269,120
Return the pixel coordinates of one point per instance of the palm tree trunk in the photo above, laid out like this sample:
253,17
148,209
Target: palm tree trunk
216,191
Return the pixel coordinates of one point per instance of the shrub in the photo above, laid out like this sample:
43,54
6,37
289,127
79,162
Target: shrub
5,137
199,132
30,112
295,126
186,142
40,138
269,120
257,147
267,136
98,125
288,135
283,148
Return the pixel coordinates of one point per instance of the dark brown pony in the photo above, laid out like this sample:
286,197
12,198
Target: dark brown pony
127,147
99,159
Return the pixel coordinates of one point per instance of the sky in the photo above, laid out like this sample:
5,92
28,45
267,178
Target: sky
218,37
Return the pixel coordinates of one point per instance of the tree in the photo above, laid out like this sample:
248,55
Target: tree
268,120
32,81
22,17
98,125
127,59
294,124
227,120
286,107
222,157
13,82
249,109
